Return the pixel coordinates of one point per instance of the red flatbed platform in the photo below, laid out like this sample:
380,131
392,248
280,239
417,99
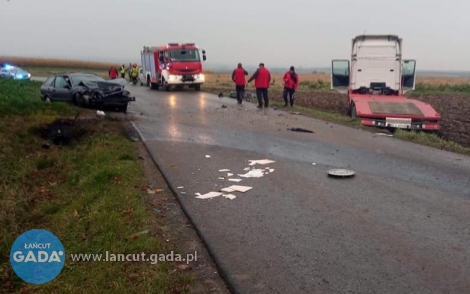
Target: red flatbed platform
395,111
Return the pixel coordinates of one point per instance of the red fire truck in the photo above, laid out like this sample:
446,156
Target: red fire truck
174,64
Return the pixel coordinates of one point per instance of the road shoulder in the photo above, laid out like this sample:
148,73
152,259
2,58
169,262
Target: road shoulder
176,228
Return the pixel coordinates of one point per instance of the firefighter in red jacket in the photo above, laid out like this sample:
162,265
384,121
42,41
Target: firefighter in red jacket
238,77
113,73
262,78
291,83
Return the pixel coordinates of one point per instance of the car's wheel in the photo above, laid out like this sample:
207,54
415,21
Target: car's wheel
197,87
123,108
79,100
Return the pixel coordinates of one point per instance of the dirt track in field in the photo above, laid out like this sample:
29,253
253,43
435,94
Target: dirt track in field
454,109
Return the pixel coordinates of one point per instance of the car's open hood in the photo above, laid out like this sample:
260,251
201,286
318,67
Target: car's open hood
106,88
111,85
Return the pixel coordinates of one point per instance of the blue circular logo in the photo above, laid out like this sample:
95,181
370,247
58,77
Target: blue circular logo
37,256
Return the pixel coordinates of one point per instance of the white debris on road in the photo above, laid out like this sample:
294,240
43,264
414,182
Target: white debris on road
227,190
180,187
260,161
242,189
251,173
254,173
229,196
209,195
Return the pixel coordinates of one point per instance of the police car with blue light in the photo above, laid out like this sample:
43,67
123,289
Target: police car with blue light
13,72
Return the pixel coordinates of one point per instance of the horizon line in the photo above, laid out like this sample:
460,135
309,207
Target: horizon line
222,65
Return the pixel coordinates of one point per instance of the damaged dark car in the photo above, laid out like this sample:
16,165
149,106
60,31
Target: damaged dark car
87,90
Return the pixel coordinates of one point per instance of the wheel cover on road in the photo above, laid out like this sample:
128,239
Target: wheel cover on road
341,173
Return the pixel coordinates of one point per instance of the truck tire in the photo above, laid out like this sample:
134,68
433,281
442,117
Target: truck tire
353,111
165,85
197,87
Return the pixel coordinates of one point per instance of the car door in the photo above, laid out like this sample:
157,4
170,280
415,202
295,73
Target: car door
62,89
4,73
47,88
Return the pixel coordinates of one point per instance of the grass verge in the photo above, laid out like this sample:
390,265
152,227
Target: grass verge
88,194
418,137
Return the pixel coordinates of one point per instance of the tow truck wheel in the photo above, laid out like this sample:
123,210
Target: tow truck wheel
353,111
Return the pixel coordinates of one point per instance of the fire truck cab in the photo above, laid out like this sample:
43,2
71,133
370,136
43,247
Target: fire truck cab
173,65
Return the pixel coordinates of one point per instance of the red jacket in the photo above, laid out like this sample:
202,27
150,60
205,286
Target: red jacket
113,73
238,76
289,83
262,78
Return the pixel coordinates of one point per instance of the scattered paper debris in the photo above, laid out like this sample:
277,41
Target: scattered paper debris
314,163
383,134
180,187
209,195
221,178
271,170
235,180
156,191
246,168
208,156
261,161
224,170
227,190
242,189
254,173
183,192
229,196
197,194
229,174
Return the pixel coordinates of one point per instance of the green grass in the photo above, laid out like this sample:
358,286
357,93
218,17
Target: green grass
88,194
441,89
48,71
431,140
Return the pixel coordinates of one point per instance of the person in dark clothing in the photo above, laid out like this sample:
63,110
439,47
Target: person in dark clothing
291,83
238,77
262,78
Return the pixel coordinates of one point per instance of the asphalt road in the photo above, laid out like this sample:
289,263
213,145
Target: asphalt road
401,225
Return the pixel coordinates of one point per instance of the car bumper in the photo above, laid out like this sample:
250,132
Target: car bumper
186,79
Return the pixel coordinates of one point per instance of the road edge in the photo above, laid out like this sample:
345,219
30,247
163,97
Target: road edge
221,270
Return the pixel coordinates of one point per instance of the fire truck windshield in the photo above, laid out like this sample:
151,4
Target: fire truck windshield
184,55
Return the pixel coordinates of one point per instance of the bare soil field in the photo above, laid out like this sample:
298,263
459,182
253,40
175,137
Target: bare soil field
448,95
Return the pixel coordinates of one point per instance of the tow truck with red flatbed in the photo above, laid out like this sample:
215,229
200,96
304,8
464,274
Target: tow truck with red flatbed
376,81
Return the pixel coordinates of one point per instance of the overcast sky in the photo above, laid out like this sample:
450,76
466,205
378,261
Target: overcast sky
305,33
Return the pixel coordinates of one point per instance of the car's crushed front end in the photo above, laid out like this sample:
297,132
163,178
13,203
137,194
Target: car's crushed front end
106,93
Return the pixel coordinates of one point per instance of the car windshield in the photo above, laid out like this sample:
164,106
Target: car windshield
184,55
77,79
